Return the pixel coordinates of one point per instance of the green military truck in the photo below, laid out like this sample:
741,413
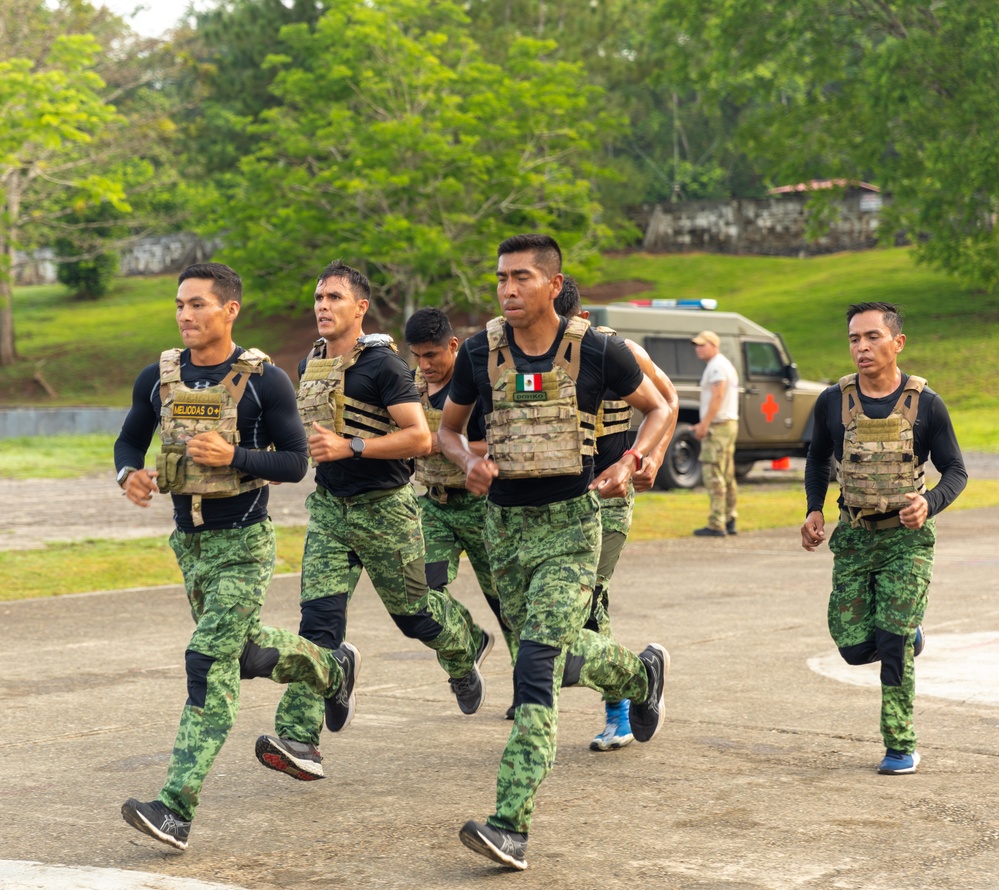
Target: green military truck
775,405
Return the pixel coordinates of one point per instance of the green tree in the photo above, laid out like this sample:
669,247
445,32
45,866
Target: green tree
397,147
897,92
47,110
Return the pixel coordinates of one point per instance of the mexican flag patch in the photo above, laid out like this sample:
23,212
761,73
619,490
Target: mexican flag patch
529,383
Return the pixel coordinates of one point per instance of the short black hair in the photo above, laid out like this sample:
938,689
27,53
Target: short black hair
428,325
891,315
567,303
226,284
359,285
545,248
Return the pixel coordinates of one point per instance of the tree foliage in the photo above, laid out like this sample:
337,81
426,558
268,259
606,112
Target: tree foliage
898,92
399,148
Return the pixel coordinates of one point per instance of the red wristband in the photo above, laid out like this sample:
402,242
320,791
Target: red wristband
638,458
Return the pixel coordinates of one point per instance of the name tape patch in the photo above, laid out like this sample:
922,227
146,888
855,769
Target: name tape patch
197,410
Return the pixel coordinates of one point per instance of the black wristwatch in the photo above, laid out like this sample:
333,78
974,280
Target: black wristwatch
357,446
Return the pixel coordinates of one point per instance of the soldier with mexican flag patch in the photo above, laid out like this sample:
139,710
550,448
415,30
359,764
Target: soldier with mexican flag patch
540,379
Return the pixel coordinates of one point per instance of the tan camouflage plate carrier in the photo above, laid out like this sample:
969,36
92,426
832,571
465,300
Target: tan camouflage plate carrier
539,433
879,465
186,412
321,398
435,471
613,415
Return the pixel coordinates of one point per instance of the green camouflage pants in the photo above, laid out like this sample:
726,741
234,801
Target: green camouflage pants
544,562
452,528
718,465
226,574
379,532
880,584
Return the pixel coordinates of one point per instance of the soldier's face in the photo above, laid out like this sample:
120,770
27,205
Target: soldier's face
873,347
337,312
202,320
526,291
435,362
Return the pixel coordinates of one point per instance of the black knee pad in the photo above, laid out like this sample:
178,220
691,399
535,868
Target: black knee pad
591,621
535,673
573,668
862,653
197,666
436,574
892,649
420,626
256,662
324,621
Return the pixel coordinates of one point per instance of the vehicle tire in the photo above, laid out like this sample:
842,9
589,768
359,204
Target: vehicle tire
682,464
743,469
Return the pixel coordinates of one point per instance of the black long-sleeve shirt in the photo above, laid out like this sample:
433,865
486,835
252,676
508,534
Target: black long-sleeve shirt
933,439
267,414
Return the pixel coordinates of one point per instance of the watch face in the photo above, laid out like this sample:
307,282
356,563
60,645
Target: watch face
357,445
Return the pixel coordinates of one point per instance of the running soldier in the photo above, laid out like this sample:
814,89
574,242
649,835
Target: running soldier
881,426
228,424
613,432
362,415
540,379
453,519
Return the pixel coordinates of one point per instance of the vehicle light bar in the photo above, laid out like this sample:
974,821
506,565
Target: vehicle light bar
705,303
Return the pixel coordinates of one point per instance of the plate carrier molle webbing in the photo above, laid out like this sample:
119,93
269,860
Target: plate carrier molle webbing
435,471
614,415
185,412
540,432
321,398
879,465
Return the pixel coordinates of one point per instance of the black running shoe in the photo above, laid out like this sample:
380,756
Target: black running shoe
647,717
158,821
299,760
470,691
340,707
505,847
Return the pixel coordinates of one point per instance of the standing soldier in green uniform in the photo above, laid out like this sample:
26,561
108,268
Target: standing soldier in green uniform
453,518
881,426
228,424
362,415
540,379
613,432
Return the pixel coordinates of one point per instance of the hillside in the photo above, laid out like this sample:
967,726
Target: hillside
90,352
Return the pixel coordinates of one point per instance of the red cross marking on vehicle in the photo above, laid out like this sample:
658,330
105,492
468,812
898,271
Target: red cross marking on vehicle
770,407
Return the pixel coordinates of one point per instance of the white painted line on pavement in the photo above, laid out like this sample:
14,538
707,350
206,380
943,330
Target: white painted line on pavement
22,875
963,667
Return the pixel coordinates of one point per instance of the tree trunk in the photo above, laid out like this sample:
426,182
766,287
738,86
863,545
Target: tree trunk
8,351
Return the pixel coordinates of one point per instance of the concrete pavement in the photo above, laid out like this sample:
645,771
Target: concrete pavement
763,777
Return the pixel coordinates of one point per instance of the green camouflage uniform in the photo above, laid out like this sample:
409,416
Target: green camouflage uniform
718,463
544,564
880,583
378,531
226,575
458,526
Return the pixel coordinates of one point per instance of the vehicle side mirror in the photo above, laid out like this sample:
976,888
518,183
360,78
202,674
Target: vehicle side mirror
791,375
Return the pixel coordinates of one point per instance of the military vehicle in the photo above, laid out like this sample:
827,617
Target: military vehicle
775,405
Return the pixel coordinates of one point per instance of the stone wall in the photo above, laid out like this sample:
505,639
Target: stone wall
156,255
770,226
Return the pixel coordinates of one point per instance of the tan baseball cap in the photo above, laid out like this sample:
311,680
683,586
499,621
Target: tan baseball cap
706,337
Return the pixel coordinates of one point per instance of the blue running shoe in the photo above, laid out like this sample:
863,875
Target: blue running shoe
617,732
898,763
919,642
